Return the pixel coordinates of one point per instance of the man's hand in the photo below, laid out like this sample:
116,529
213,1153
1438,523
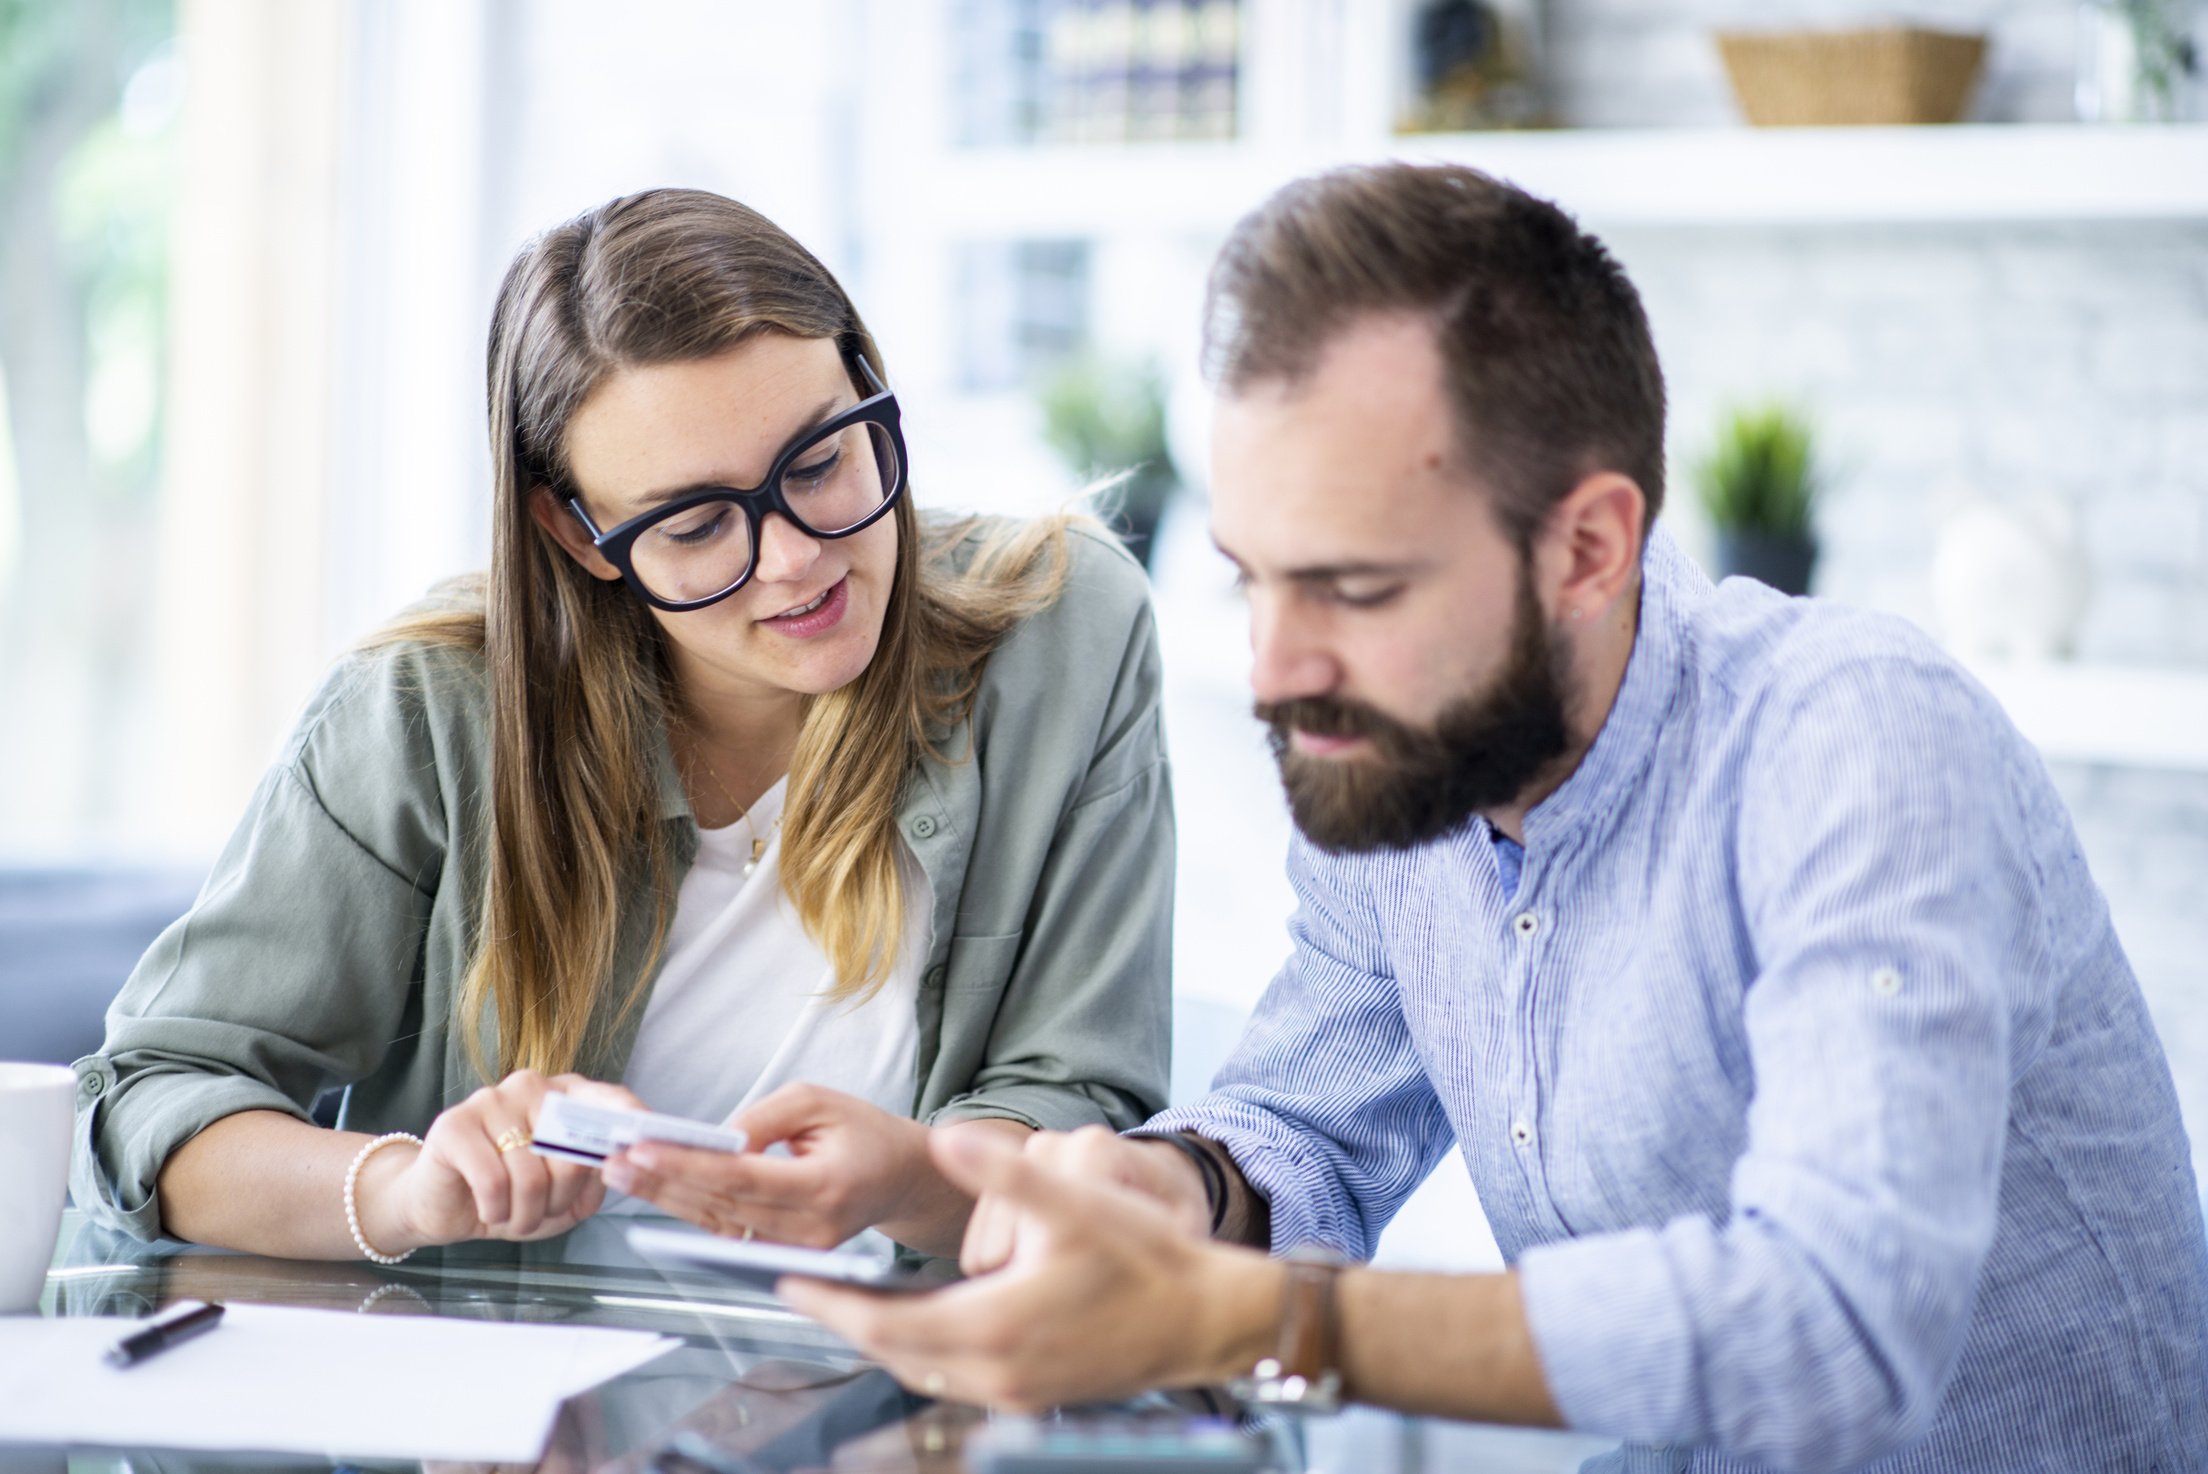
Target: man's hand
1106,1292
1154,1169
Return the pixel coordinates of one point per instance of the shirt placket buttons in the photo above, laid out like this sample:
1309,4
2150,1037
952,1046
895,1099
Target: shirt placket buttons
1527,925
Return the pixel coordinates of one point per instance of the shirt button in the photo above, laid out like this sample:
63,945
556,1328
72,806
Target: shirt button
1526,924
1886,982
935,976
95,1086
923,826
1520,1132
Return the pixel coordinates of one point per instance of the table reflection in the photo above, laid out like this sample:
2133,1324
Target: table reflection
753,1385
746,1365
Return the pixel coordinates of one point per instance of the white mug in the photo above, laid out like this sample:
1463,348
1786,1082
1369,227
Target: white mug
37,1106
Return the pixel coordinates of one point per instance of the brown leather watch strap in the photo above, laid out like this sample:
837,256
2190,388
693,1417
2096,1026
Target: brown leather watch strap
1303,1375
1309,1326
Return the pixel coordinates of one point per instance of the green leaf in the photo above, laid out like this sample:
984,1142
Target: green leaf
1761,473
1107,419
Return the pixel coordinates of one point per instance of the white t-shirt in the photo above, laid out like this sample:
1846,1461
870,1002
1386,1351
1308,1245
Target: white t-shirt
740,1007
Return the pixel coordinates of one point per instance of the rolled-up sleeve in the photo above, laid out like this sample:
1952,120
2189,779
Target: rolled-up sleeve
289,974
1082,1034
1325,1104
1817,1327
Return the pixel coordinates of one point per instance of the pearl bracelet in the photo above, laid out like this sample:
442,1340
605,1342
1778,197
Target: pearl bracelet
352,1209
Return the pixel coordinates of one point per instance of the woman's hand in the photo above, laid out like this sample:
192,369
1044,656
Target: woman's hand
850,1166
461,1185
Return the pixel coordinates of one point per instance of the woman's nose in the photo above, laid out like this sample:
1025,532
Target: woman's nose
785,550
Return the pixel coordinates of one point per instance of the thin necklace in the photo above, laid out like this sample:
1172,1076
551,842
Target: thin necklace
758,840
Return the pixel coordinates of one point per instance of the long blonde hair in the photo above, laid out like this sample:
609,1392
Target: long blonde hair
579,678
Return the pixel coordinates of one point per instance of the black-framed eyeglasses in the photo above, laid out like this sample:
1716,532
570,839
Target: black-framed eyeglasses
836,479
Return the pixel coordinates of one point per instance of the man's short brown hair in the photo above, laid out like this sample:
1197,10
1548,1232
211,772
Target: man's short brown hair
1551,371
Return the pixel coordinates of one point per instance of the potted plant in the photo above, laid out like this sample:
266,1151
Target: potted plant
1106,421
2136,61
1759,487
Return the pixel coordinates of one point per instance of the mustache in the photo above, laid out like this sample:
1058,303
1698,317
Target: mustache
1322,716
1332,716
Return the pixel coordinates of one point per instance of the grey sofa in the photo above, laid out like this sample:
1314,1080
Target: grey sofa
69,936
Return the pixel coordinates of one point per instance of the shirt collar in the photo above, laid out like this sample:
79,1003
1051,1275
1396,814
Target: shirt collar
1612,767
674,799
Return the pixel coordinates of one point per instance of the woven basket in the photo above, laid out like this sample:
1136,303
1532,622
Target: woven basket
1893,74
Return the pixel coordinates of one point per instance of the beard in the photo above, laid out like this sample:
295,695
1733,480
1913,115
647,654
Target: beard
1419,784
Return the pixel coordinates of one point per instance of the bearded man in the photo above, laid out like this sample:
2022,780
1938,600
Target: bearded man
1738,943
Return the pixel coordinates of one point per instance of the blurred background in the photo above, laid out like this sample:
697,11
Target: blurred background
1932,295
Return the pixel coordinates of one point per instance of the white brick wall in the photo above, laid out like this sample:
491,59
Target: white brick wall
2001,361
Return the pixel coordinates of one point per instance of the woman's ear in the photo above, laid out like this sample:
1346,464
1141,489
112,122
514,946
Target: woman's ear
554,517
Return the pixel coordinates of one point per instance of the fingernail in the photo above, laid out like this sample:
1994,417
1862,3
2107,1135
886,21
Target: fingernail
644,1156
620,1176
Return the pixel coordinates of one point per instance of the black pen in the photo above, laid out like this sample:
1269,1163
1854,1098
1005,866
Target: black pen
163,1334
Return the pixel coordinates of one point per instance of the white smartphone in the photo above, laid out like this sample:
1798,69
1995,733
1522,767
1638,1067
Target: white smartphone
581,1131
761,1264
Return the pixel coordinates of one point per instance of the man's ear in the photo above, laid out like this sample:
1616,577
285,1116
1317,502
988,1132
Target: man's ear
554,517
1590,551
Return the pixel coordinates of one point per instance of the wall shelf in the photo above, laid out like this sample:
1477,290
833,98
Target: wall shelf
1627,177
2118,716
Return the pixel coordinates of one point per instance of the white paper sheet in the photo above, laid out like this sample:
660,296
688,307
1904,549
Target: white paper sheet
273,1379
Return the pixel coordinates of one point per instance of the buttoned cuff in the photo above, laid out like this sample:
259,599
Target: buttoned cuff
128,1125
1301,1188
1037,1106
1612,1333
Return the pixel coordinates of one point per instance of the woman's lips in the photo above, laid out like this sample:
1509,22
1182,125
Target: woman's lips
814,621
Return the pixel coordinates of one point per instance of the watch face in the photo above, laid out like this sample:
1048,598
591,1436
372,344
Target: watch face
1291,1394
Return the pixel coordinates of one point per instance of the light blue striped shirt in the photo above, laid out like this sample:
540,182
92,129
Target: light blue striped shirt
1802,1078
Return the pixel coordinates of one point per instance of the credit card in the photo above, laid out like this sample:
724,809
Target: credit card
582,1131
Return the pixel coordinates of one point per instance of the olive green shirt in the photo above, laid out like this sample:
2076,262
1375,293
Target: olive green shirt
330,942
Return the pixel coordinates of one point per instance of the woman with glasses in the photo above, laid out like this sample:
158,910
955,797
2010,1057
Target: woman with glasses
736,788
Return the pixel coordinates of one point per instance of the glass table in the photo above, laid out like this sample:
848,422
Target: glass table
753,1388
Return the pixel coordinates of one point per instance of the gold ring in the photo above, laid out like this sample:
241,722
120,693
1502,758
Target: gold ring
510,1138
747,1233
933,1384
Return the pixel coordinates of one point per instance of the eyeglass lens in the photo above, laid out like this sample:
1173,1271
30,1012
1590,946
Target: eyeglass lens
834,484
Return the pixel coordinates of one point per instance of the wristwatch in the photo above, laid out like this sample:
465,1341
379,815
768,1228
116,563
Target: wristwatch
1304,1373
